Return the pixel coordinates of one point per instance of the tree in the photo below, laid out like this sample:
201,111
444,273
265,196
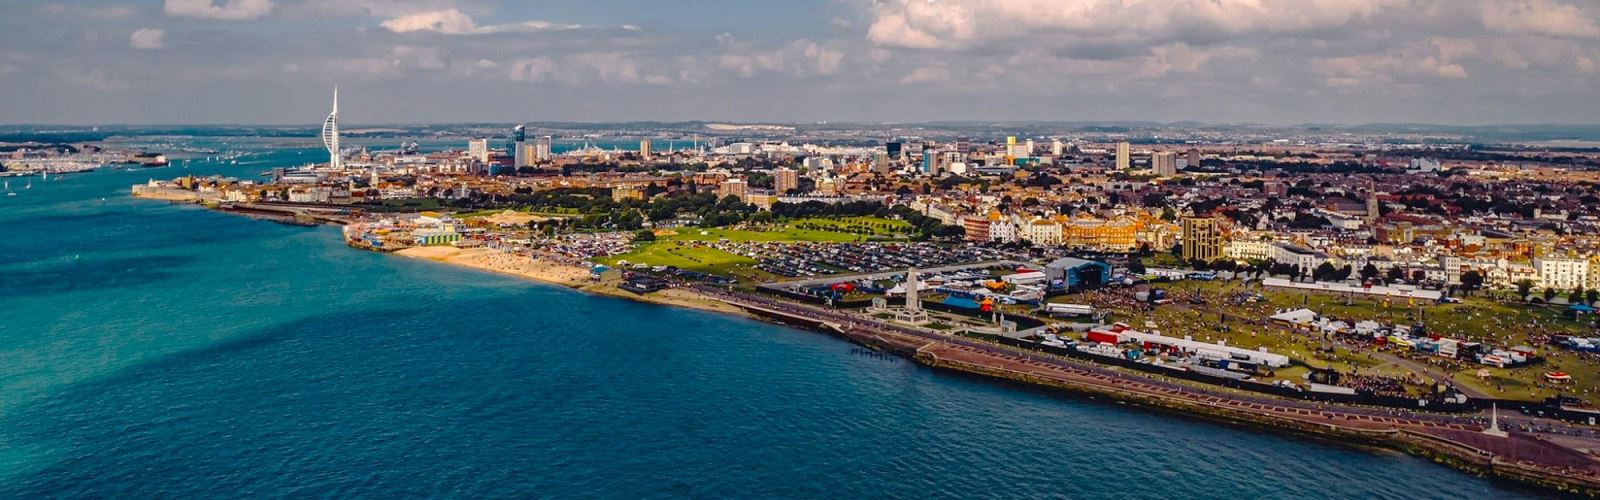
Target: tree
1549,294
1344,273
1471,281
1576,296
1593,295
644,235
1368,272
1324,272
1523,288
1395,274
1136,266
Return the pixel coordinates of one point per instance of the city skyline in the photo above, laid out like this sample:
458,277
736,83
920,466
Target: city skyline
902,61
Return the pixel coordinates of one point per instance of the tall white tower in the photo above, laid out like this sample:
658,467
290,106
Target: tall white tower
330,134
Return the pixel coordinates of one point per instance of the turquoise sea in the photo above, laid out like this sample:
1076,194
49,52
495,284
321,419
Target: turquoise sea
155,350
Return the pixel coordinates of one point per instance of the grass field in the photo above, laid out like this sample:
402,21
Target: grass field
682,256
1479,319
871,226
1474,318
774,234
494,211
682,248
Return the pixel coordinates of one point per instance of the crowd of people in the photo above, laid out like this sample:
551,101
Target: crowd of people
1381,385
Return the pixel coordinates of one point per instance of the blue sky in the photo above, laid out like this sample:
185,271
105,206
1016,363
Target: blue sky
415,61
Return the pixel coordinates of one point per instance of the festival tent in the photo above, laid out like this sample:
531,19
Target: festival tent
1296,317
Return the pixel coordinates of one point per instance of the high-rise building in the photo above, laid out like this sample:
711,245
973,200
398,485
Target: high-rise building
522,155
964,145
515,146
785,179
733,187
644,149
880,163
1194,158
1202,238
893,149
1372,206
478,149
542,151
1056,148
1165,163
1122,156
330,134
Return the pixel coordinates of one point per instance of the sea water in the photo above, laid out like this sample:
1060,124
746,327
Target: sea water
152,349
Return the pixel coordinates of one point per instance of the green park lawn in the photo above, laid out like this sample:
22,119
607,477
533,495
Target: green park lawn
683,256
1475,318
559,212
774,234
872,226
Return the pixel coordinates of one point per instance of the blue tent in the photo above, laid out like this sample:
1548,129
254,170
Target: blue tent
1582,308
960,302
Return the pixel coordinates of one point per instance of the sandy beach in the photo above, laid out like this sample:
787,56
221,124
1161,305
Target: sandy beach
576,277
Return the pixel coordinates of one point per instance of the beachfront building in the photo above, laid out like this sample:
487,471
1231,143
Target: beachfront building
434,229
1562,273
1002,230
977,228
435,236
1114,235
1254,250
1041,232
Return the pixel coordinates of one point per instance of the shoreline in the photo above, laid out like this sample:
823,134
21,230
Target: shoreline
563,275
1447,449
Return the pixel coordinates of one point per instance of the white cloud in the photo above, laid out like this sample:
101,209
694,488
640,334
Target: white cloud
450,21
228,10
967,24
1438,58
1539,17
379,8
456,22
148,39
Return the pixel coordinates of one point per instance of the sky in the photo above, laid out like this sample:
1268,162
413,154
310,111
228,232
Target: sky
800,61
